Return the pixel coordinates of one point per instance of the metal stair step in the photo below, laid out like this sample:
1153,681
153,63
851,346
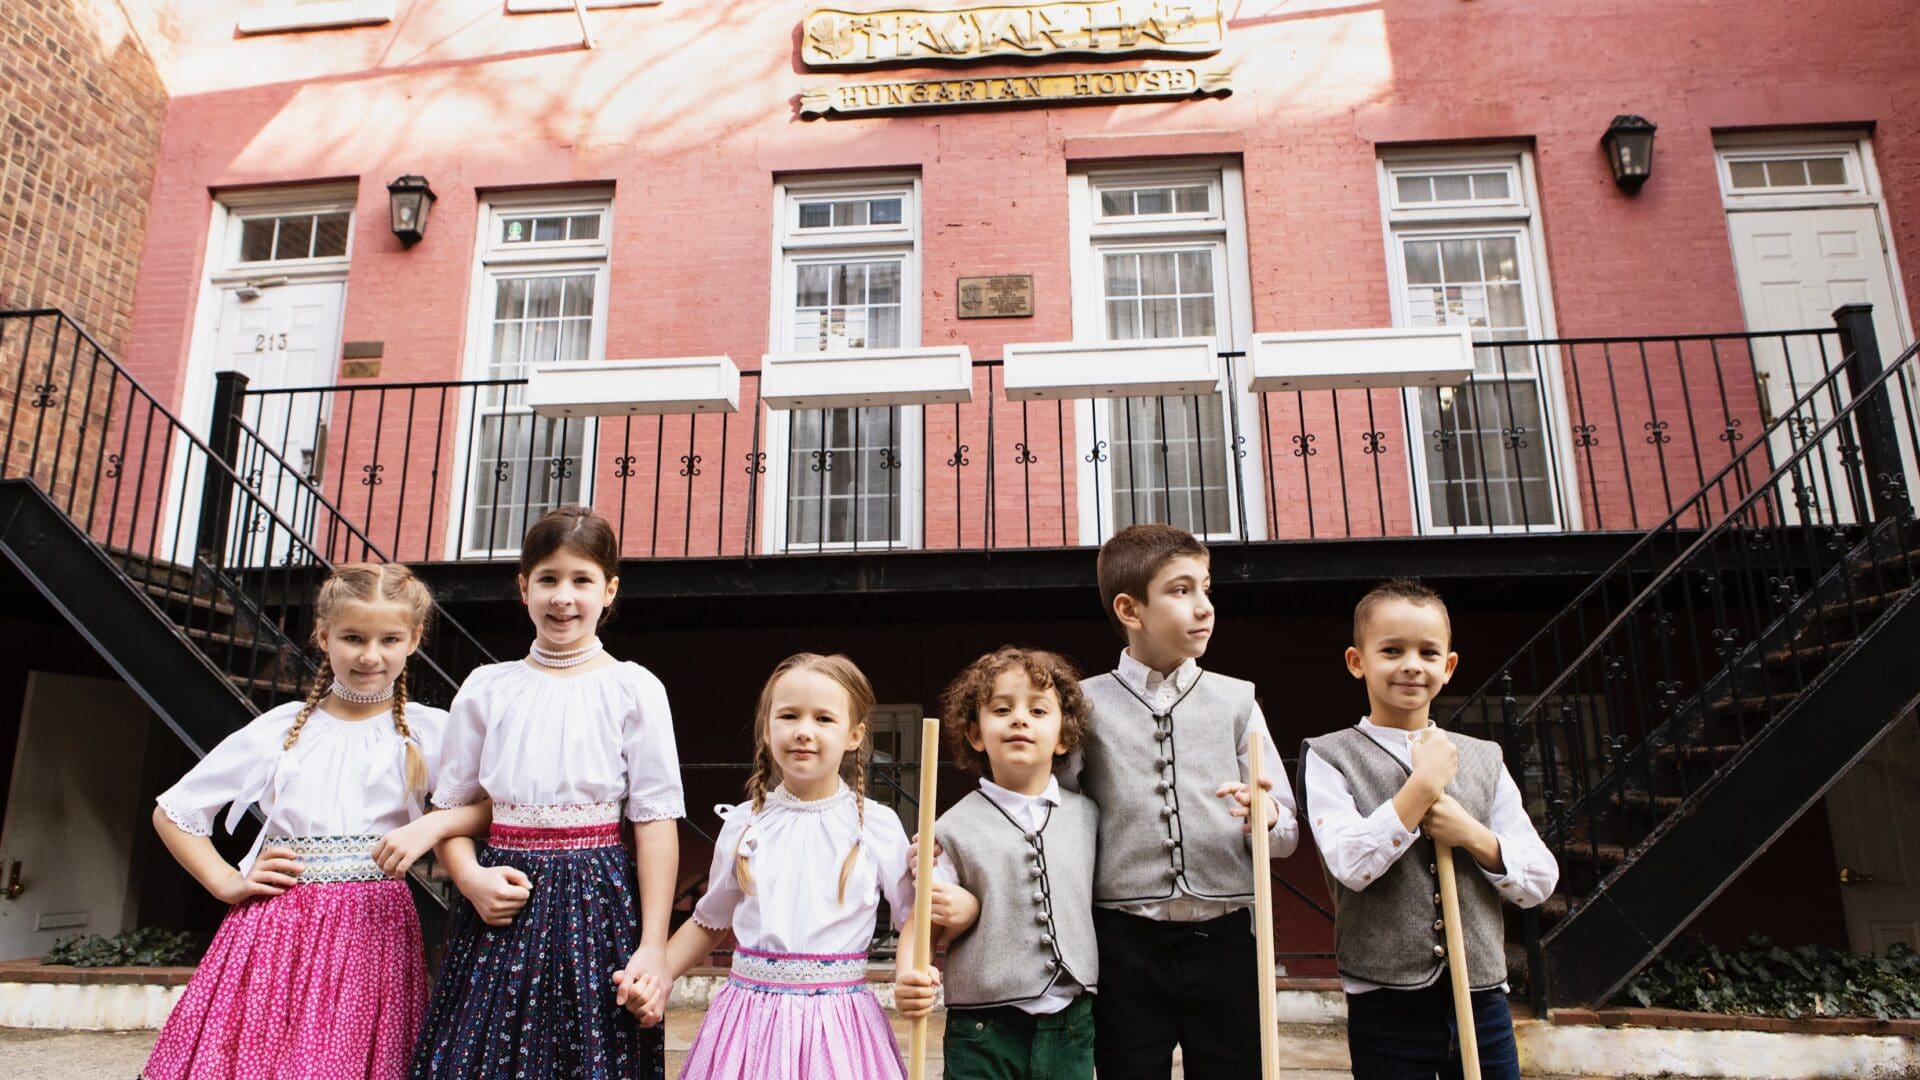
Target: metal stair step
1641,800
280,684
1709,754
166,595
1602,854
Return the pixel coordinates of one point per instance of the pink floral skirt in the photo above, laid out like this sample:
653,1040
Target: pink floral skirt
787,1016
323,982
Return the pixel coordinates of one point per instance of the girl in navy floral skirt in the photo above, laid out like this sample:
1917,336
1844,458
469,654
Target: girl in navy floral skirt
567,744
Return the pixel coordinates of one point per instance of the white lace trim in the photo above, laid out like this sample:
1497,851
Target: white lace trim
651,811
780,796
192,820
703,924
455,798
555,815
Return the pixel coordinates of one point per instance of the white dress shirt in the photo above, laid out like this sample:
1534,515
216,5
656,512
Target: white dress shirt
1358,850
1161,692
1031,812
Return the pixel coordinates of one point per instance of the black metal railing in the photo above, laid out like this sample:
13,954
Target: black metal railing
213,547
1615,716
1549,435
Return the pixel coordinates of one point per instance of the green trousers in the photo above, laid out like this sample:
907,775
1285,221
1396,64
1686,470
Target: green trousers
1003,1043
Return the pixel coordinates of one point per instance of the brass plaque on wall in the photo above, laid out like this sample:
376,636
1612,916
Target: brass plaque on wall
995,296
831,37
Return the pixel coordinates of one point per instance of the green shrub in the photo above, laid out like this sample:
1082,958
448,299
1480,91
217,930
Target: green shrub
1764,979
147,947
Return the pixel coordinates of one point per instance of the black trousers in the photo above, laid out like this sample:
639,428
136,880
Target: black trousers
1164,984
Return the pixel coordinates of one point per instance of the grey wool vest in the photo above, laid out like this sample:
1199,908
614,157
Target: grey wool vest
1163,832
1036,901
1390,933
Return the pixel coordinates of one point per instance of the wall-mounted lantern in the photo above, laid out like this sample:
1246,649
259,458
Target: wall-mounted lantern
410,198
1629,144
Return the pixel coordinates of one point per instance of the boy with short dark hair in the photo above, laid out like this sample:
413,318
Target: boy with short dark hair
1166,744
1379,795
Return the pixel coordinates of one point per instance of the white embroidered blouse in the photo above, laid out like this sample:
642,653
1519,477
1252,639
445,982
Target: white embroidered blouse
521,735
794,852
343,778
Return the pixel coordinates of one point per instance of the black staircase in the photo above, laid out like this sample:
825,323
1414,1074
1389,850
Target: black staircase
189,577
1707,689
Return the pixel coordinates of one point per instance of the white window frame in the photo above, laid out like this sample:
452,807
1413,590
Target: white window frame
493,259
237,222
1518,216
1225,228
793,247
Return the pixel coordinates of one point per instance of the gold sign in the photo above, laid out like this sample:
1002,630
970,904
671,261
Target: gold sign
1136,84
999,296
835,38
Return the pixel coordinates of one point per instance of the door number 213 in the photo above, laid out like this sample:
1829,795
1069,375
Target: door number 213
269,342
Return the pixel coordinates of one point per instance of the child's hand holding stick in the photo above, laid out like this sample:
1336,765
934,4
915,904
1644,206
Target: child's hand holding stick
1456,947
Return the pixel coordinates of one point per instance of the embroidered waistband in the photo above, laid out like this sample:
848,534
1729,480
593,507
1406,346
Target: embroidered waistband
798,973
330,859
555,815
531,838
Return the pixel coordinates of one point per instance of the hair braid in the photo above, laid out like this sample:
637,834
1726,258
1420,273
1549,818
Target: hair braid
416,765
757,785
859,784
322,682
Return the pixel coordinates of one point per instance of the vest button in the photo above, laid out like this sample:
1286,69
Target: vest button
1034,873
1160,788
1167,812
1436,899
1160,735
1439,925
1053,966
1040,898
1047,940
1170,843
1031,838
1040,918
1432,869
1172,873
1440,950
978,1026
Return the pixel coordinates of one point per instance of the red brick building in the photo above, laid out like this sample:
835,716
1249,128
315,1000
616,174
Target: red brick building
652,181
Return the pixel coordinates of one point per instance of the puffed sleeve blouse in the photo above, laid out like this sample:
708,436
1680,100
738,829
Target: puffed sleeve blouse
342,778
521,735
794,852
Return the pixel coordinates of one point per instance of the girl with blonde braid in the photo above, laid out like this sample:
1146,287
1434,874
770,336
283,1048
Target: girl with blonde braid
796,1005
318,970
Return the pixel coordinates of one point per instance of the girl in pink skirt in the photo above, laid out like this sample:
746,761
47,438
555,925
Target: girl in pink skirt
317,972
798,874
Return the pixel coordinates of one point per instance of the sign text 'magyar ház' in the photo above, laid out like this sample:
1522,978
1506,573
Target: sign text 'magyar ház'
835,38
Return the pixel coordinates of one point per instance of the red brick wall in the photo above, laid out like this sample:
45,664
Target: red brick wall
83,104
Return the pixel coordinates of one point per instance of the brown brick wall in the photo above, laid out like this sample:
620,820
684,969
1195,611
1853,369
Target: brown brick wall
83,103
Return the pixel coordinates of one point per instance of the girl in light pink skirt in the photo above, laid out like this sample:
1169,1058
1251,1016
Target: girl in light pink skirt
317,972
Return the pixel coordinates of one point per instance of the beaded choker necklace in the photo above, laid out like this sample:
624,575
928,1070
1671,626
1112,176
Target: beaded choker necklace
357,697
572,658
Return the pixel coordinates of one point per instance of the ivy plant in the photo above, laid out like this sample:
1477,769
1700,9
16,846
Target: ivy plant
1764,979
147,947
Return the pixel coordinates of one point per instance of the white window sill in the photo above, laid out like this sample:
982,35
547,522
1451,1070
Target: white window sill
328,16
538,7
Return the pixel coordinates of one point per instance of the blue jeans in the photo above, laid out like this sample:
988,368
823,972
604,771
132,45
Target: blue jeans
1409,1034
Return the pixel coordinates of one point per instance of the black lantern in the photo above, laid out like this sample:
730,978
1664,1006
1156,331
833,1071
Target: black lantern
410,198
1629,143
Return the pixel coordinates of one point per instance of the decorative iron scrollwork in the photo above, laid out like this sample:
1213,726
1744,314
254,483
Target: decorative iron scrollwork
1371,441
623,466
1025,456
1657,433
1443,440
1098,453
45,395
1514,437
822,461
1731,433
959,457
1583,436
689,465
1303,446
372,473
757,462
889,459
113,466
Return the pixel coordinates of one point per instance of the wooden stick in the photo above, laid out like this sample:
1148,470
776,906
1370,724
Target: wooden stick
1262,909
922,925
1457,962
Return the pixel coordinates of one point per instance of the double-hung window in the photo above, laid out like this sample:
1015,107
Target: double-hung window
847,280
1161,254
1463,251
541,298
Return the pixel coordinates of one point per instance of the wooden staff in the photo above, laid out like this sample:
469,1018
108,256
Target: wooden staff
1457,962
1262,908
922,925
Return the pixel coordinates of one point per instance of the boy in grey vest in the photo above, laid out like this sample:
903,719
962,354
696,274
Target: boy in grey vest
1379,796
1165,757
1013,888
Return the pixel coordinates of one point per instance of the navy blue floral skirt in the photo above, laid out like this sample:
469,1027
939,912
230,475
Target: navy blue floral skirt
534,999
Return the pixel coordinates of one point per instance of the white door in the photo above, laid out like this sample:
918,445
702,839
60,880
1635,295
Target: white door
1794,268
71,813
1874,812
279,337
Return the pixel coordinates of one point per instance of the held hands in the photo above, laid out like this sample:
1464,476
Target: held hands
913,992
396,852
272,874
497,893
642,986
1243,803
